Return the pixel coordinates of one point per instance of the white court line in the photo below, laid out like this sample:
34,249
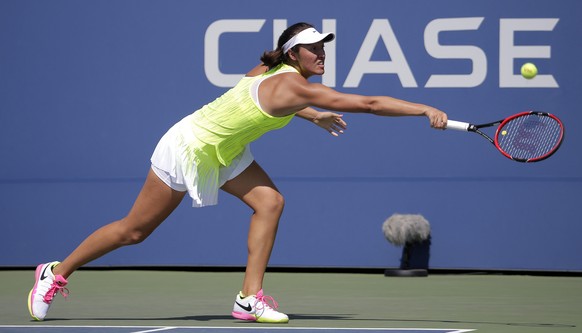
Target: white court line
157,330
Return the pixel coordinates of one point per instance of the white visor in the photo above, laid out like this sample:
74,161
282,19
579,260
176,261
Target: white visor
307,36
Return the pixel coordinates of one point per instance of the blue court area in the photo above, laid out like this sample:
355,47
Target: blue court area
145,329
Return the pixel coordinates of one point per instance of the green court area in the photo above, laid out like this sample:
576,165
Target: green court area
148,301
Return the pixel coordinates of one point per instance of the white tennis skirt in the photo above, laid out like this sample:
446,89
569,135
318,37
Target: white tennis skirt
185,164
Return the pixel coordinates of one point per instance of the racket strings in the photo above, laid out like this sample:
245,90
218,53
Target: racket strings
529,137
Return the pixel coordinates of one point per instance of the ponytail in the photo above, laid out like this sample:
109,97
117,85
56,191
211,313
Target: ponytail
275,57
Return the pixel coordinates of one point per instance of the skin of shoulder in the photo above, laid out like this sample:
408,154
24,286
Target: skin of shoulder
288,93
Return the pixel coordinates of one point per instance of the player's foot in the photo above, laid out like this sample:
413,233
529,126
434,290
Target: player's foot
256,308
45,288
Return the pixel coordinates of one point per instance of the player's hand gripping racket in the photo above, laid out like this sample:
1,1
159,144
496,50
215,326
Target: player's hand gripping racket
524,137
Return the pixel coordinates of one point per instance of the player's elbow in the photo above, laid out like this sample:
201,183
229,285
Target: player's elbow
372,107
360,106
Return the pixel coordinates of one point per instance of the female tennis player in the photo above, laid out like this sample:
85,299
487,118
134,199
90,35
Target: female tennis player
208,150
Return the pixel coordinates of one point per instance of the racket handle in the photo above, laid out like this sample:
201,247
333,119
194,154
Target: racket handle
458,125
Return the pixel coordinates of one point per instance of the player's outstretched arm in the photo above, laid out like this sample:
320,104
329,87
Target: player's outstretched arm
325,97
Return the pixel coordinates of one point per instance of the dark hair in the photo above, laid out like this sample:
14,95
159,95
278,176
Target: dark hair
275,57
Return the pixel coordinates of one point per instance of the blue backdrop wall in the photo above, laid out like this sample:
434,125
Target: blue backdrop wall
88,87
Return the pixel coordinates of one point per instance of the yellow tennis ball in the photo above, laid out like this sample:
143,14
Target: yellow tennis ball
529,70
503,132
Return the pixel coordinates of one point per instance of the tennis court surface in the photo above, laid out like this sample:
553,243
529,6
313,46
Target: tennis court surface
123,301
126,329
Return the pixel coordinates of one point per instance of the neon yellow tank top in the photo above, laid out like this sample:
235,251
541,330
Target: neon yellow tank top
234,120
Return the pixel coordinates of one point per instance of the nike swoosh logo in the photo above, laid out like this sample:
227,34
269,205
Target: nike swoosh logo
247,308
43,275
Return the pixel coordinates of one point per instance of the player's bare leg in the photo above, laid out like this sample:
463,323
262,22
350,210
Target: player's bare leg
254,187
153,205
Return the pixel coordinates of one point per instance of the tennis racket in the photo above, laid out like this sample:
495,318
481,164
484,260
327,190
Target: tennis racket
525,137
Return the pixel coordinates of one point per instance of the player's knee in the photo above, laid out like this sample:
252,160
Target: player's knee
274,203
128,235
135,237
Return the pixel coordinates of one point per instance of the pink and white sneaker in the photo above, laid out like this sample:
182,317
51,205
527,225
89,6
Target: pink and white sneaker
45,288
257,308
